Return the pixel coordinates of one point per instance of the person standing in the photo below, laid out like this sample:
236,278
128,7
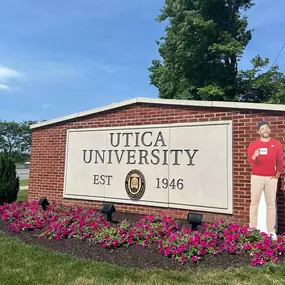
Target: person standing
266,157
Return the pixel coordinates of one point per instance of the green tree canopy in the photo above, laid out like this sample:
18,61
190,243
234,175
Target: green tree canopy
15,139
261,83
200,51
203,43
10,136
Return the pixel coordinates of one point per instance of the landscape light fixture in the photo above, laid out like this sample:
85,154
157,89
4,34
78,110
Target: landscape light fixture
44,203
108,209
194,220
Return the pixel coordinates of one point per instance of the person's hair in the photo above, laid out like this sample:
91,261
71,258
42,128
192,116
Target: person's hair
260,124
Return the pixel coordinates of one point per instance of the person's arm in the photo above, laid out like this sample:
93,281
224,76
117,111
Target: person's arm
252,154
279,161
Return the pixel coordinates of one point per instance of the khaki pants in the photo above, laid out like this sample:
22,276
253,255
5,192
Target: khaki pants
269,186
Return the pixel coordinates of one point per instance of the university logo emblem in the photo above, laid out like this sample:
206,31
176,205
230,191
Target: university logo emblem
135,184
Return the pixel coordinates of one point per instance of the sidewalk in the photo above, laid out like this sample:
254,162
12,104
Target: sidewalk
24,188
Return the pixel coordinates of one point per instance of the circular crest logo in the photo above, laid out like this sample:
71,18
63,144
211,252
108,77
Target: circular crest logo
135,184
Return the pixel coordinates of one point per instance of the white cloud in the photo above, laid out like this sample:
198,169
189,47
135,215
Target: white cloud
79,67
46,106
108,68
50,70
4,87
62,69
7,73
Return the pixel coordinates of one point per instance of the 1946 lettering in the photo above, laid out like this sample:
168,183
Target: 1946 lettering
173,183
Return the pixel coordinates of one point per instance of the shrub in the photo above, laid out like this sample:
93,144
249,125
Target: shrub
9,182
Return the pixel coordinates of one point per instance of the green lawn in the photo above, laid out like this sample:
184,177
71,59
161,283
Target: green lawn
25,264
22,196
24,183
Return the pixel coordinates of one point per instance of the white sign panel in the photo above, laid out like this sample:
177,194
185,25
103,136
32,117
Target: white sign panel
186,166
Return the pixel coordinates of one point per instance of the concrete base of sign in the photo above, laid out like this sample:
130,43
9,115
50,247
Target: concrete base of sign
261,219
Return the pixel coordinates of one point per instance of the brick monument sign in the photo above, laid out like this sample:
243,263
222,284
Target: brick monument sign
150,156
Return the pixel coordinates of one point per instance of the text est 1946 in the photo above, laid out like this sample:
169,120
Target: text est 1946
160,182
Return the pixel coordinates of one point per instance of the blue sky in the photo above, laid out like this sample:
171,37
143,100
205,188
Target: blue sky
59,57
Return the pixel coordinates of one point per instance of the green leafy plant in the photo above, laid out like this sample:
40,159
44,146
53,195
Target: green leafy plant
9,182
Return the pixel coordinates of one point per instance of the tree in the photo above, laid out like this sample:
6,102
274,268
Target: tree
203,43
10,136
15,139
9,182
254,85
26,135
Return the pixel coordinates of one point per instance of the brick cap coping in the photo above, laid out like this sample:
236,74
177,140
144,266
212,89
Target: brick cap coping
209,104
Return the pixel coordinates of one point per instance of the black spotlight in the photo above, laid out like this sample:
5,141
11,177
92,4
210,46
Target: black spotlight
108,209
194,220
44,203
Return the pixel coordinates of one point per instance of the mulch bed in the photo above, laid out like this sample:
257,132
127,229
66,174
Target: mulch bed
137,257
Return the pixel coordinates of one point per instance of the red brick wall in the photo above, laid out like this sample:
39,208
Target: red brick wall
48,152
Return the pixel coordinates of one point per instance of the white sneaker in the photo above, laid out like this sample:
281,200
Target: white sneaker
251,229
273,236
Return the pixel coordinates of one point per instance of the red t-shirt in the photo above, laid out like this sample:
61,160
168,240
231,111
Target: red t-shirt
270,159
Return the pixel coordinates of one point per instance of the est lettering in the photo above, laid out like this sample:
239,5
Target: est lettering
102,179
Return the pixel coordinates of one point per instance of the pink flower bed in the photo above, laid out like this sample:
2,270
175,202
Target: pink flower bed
183,245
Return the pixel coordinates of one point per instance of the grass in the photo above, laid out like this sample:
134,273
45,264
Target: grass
22,195
24,183
26,264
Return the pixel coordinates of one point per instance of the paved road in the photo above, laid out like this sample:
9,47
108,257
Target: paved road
23,173
24,187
